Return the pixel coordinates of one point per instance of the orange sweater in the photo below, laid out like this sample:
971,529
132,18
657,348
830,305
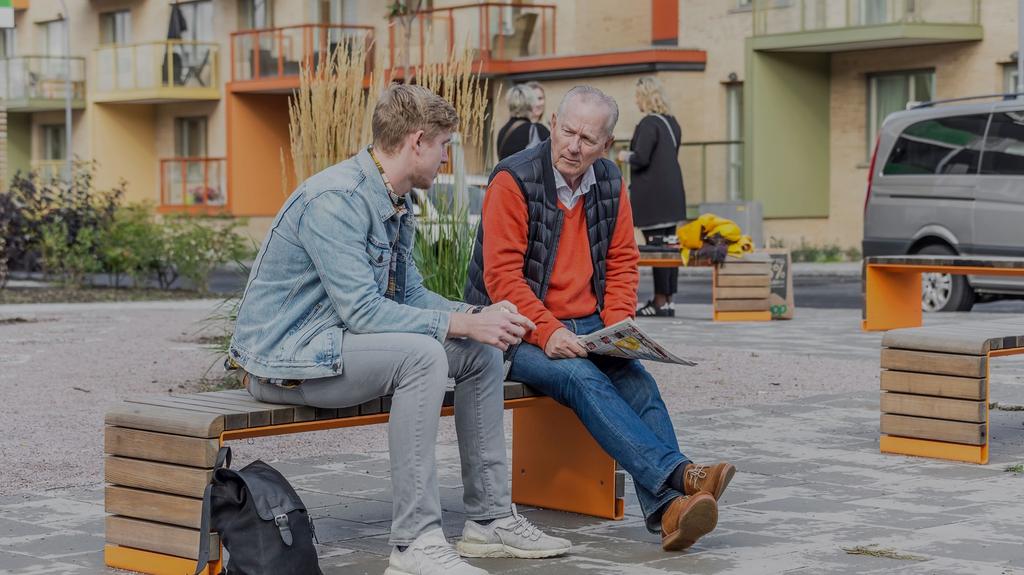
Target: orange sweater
570,290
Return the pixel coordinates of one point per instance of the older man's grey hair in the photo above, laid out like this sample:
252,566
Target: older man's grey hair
591,95
520,100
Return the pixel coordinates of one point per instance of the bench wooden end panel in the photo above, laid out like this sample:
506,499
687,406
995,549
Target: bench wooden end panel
933,384
165,420
935,429
934,407
742,305
153,506
743,281
165,447
758,293
162,477
940,363
739,268
150,536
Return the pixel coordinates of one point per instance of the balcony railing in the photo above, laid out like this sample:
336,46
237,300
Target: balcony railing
712,170
281,52
33,78
491,31
786,16
193,183
167,69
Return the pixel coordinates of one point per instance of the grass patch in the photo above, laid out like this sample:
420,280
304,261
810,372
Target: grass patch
231,380
875,551
91,295
996,405
1019,468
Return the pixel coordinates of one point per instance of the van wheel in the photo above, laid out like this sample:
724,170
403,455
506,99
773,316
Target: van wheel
944,292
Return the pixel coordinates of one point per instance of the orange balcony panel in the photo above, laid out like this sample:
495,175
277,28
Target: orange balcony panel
271,59
193,185
19,4
638,61
257,137
489,30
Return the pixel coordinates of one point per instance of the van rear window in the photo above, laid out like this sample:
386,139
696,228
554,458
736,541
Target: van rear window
938,146
1004,145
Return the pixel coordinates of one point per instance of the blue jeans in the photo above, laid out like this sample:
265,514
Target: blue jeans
619,403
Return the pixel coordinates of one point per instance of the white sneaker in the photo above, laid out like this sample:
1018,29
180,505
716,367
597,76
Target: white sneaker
512,536
429,554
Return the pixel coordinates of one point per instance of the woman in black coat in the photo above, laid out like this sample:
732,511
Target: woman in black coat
521,131
656,187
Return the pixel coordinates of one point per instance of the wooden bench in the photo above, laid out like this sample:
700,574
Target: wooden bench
160,451
740,287
892,284
935,387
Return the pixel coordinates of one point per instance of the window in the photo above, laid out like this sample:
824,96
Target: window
1009,78
190,137
198,20
254,14
939,146
6,42
892,92
1004,145
52,38
54,142
116,27
342,11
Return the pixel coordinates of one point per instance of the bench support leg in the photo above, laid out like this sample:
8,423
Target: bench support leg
556,464
153,563
892,299
934,449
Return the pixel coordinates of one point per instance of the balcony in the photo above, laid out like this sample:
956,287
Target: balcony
157,72
493,33
193,185
38,83
844,25
270,60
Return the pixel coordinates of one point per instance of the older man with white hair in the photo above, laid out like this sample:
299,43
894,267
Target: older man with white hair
556,240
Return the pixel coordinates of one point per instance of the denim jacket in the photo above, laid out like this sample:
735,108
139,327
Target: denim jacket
322,271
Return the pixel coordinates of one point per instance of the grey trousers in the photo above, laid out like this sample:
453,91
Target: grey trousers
415,369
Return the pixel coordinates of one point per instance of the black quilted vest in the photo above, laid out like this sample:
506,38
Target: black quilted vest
532,171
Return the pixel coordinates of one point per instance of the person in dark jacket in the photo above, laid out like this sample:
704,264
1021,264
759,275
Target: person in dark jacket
656,189
521,131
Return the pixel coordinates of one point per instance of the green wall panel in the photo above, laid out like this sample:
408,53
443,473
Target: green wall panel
786,119
19,143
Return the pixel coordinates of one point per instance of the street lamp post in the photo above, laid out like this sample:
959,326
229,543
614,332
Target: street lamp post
67,90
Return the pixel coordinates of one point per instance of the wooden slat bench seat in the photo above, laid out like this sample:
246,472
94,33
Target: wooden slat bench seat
740,287
935,392
892,284
160,451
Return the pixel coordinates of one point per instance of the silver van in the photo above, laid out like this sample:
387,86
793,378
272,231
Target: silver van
950,180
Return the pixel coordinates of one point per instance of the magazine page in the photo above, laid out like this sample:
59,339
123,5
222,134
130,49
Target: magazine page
626,339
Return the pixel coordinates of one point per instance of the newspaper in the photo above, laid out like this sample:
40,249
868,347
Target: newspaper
626,339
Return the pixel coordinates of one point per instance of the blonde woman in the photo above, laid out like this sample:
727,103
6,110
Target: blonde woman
656,190
520,131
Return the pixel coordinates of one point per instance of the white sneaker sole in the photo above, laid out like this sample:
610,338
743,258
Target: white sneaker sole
481,550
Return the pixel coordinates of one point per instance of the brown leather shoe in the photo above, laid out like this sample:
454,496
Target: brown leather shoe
710,478
686,519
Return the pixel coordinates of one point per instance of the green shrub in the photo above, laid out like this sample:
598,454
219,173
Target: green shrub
194,246
443,248
69,256
132,244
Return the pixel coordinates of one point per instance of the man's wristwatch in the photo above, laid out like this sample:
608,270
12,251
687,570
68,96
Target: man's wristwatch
477,309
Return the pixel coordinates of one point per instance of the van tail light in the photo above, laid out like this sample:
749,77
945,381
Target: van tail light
871,174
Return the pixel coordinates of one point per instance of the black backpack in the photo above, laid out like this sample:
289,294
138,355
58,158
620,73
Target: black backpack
261,520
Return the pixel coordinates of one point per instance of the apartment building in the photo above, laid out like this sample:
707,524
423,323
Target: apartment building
779,100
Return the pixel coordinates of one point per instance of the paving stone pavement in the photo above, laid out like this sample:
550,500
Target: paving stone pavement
812,495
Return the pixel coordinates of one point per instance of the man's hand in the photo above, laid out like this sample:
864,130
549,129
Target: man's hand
564,344
497,326
502,305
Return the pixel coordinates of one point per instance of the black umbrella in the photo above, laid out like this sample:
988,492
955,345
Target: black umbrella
177,24
173,75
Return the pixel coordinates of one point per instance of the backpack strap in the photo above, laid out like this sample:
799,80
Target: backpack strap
223,460
515,126
672,134
281,520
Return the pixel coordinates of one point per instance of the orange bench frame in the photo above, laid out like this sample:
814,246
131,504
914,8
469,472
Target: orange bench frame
892,291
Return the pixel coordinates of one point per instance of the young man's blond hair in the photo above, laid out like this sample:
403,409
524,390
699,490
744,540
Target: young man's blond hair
404,109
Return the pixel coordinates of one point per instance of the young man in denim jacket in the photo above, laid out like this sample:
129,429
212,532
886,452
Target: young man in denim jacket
335,314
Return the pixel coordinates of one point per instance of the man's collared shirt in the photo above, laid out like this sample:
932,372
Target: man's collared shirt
566,195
